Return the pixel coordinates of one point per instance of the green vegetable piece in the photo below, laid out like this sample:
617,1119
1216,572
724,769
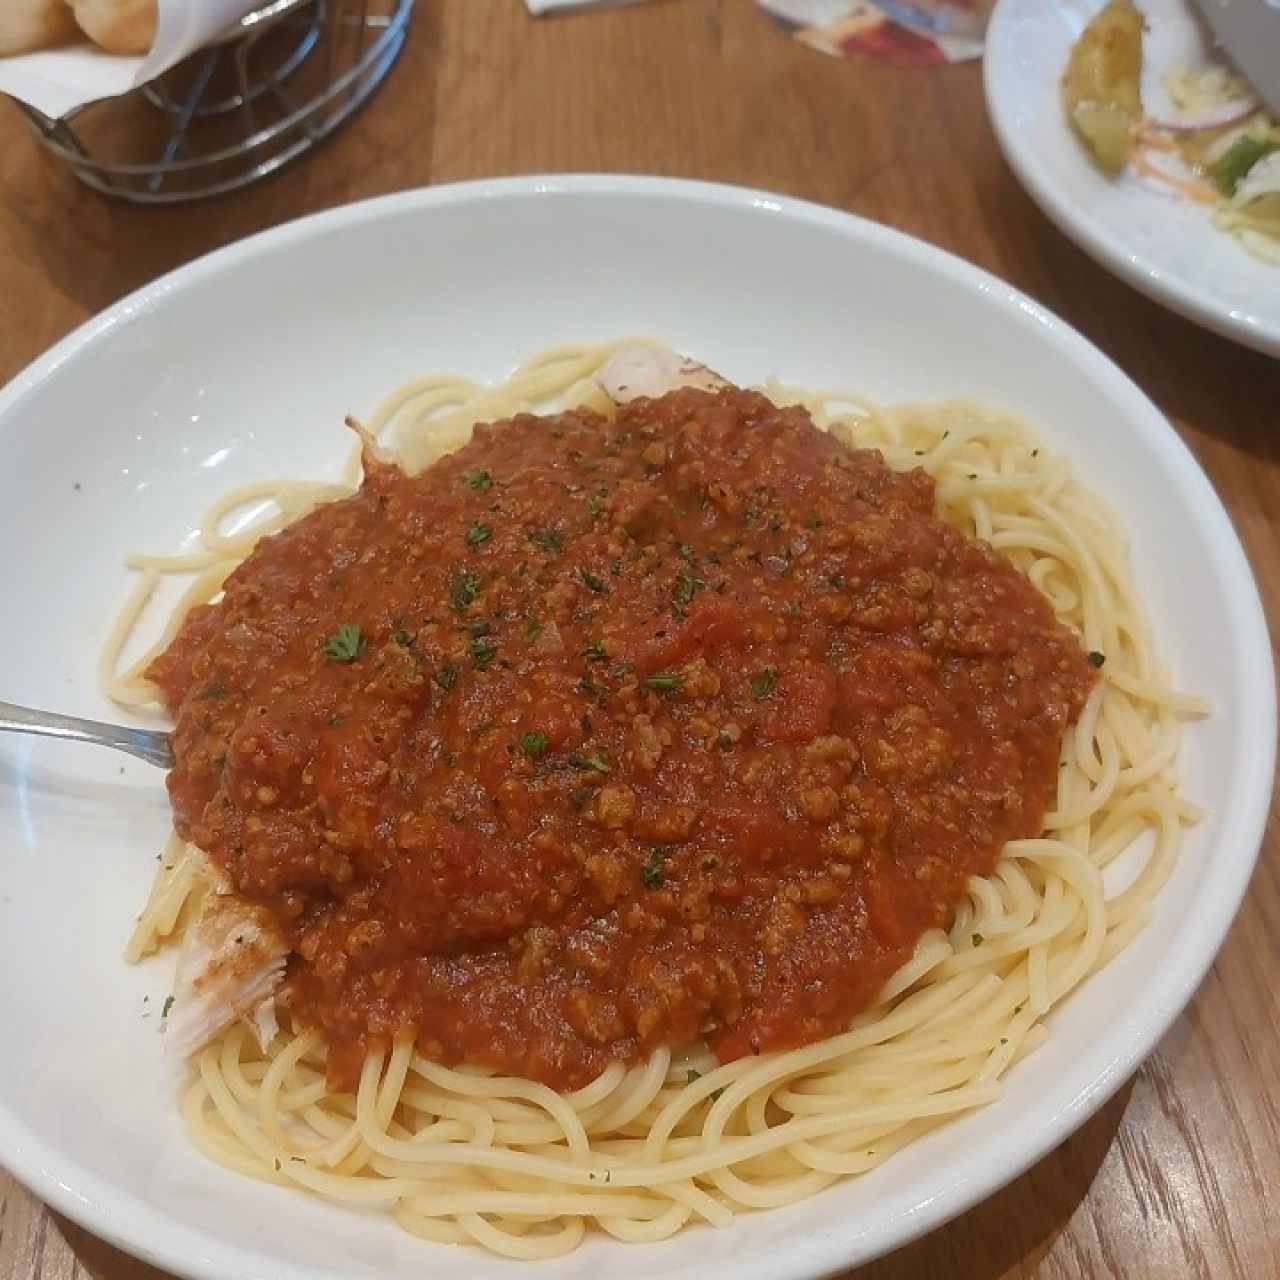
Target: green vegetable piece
763,684
346,644
465,588
665,682
599,761
1233,165
687,586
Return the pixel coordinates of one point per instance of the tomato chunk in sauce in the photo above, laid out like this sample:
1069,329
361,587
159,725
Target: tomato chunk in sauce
599,735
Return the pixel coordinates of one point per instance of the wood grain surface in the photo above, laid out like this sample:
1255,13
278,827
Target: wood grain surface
1179,1175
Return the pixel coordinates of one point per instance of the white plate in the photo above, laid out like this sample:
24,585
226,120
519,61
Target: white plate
241,365
1166,247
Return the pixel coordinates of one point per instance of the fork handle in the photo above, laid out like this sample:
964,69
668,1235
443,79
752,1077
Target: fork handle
150,745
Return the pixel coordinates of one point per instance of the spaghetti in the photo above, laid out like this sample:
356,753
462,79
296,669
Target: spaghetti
466,1155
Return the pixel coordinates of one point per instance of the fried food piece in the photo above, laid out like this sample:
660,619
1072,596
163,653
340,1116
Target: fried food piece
1101,86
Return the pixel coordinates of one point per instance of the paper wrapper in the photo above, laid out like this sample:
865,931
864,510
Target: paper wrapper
57,80
851,28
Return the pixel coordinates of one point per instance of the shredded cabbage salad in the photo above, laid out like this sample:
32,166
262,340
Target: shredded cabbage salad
1220,147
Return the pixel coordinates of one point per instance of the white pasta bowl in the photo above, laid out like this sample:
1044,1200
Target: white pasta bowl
240,367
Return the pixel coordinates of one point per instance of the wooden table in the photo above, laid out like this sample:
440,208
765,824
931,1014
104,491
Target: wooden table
1179,1175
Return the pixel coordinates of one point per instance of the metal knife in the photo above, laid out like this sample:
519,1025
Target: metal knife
1249,31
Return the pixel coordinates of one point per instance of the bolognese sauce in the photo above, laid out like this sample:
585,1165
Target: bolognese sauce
605,734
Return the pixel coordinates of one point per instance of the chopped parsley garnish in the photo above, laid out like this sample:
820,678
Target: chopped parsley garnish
685,550
666,681
447,677
691,1077
595,652
547,539
687,586
479,480
345,644
532,629
466,586
483,651
763,684
168,1004
479,533
534,745
478,627
591,582
651,872
599,761
1233,165
404,638
591,689
1096,659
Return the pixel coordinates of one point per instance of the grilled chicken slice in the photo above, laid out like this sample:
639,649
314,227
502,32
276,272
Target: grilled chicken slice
632,373
232,962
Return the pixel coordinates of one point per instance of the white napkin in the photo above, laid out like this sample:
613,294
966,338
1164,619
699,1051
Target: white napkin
56,80
550,6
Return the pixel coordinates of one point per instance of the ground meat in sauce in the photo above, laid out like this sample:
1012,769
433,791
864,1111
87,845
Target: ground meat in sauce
680,726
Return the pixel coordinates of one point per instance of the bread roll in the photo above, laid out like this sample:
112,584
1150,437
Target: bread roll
118,26
34,24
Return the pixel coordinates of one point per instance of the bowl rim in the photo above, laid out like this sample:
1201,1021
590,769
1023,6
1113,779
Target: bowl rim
131,1224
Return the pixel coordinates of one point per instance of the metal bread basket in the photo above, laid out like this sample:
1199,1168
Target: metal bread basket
284,78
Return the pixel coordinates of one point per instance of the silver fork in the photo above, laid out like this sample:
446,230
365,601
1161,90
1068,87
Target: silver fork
152,745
